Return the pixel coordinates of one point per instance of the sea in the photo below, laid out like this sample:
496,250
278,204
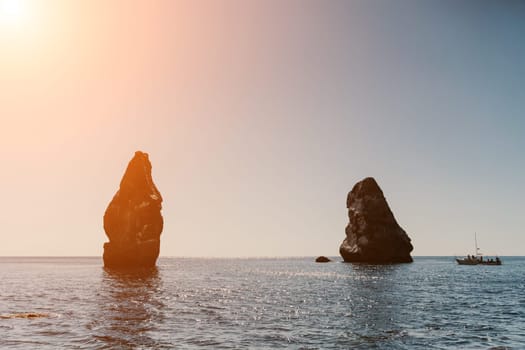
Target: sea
261,303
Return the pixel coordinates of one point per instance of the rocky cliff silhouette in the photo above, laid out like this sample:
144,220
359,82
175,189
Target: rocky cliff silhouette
373,234
133,220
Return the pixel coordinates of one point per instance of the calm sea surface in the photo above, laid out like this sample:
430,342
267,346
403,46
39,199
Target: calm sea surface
73,303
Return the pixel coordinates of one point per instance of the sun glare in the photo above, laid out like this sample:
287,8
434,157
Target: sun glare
13,12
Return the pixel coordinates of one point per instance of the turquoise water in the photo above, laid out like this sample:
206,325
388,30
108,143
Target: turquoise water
294,303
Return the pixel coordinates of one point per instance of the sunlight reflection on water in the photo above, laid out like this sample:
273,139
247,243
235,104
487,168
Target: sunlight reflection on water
262,303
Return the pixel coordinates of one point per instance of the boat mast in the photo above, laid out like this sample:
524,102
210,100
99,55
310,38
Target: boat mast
476,241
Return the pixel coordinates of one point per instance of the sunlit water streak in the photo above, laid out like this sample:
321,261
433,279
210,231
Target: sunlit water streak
73,303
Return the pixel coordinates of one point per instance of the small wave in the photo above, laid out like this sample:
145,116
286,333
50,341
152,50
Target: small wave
204,342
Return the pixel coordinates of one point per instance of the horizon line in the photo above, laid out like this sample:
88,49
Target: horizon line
234,257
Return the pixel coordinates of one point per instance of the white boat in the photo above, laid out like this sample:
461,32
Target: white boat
477,258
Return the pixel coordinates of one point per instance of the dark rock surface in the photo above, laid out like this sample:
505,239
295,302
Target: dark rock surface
132,221
322,259
373,234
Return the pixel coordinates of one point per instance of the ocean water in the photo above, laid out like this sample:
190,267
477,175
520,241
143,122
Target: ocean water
186,303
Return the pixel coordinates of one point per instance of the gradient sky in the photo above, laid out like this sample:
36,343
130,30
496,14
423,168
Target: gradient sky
259,117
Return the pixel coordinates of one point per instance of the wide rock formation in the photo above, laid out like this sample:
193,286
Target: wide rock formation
373,234
132,221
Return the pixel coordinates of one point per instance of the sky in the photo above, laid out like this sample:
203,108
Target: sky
259,117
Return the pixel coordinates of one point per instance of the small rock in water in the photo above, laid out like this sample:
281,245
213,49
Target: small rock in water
24,315
373,234
322,259
132,221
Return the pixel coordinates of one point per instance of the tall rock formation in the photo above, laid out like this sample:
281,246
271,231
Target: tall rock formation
373,234
132,221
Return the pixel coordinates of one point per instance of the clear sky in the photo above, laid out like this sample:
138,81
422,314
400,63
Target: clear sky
259,117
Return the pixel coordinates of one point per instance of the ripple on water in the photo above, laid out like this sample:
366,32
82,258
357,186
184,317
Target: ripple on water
261,303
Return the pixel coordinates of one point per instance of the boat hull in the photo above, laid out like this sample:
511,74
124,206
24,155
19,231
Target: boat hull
467,262
477,262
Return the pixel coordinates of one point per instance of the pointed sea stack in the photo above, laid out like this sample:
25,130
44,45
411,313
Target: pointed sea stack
373,234
133,221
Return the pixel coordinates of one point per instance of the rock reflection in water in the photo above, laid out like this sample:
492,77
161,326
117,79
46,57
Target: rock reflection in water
130,307
376,311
